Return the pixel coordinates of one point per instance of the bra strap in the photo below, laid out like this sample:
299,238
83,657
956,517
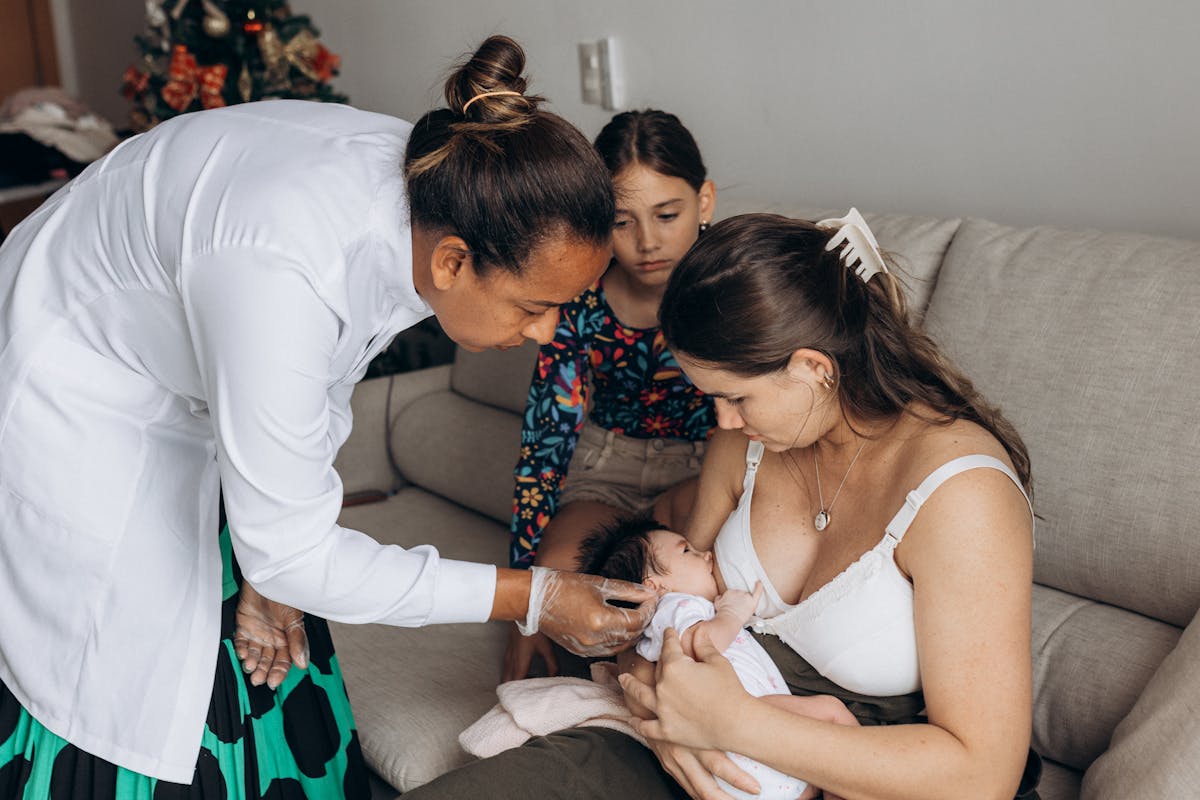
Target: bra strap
917,497
754,454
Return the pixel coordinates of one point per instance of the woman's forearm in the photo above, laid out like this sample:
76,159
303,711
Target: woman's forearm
512,594
886,762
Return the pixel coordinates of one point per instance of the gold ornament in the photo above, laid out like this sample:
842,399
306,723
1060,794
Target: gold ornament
216,21
273,55
245,84
300,51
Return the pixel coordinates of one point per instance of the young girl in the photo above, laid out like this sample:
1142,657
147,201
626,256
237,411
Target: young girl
607,399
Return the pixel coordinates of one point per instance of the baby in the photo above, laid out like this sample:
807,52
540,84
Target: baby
641,550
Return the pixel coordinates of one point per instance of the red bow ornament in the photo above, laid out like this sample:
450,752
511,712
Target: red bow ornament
187,80
136,82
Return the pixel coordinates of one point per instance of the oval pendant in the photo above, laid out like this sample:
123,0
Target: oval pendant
821,521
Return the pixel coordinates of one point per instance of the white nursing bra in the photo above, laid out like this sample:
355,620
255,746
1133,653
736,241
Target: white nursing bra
858,629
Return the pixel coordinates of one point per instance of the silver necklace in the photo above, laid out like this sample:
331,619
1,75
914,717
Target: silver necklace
822,519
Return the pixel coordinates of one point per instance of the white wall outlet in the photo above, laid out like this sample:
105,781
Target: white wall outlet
590,83
601,80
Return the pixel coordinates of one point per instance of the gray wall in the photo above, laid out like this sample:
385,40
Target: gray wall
1073,113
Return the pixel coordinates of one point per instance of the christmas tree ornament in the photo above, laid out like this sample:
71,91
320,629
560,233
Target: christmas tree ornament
273,56
157,24
134,82
189,81
253,24
245,84
216,21
300,51
155,16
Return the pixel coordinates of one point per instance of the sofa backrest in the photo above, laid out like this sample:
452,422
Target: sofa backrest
1090,343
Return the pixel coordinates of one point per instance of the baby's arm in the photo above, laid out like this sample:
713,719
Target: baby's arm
734,610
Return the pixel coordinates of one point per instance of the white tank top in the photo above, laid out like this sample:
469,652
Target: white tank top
858,629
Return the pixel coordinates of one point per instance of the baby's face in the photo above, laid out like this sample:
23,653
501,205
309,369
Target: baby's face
684,569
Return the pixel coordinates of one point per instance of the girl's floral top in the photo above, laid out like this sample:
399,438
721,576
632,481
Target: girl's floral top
636,389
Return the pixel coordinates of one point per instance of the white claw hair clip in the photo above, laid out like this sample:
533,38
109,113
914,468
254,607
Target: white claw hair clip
862,251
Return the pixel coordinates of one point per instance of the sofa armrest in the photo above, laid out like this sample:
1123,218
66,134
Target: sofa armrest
363,462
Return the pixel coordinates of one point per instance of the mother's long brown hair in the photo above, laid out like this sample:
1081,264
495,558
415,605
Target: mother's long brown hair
758,287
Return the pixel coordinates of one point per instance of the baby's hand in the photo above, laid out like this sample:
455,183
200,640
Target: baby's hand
738,603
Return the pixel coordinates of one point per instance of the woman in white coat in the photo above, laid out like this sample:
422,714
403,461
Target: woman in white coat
188,318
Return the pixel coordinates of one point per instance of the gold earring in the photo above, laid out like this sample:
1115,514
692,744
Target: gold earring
827,381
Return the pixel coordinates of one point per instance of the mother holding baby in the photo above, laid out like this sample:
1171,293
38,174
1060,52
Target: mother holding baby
883,505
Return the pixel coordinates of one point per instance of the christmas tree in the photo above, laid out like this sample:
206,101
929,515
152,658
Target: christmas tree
199,54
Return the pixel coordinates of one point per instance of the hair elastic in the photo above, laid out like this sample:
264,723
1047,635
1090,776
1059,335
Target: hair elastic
482,95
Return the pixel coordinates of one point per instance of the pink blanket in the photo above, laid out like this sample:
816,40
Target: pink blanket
537,706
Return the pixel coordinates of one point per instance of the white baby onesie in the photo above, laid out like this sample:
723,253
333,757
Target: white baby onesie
754,668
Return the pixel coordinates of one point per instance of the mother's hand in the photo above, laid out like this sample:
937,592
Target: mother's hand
694,702
687,716
697,770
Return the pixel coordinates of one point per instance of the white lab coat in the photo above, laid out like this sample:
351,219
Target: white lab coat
192,312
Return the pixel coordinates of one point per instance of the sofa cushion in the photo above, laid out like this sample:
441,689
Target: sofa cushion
1155,751
1058,782
461,450
498,378
362,463
1100,374
413,690
1090,663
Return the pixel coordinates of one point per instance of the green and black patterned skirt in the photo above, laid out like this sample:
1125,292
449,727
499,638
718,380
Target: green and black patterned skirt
297,742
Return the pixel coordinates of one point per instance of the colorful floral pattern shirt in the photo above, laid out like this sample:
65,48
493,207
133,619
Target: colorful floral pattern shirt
636,388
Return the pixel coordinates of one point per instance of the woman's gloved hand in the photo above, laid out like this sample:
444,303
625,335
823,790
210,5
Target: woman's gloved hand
269,638
574,610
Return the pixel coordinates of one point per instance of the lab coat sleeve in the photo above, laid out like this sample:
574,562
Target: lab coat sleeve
264,340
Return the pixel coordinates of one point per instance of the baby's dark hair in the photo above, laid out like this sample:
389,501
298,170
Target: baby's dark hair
621,549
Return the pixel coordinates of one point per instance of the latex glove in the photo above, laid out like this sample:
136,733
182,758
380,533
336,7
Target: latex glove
739,604
521,650
269,638
573,609
693,701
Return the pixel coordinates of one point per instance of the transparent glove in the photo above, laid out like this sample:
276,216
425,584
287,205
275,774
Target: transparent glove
575,610
269,638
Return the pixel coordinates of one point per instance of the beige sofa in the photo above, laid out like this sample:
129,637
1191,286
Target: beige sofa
1089,341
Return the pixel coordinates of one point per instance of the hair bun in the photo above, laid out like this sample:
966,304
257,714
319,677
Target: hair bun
495,67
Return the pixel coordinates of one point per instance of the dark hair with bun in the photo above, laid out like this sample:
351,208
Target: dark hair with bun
656,140
504,175
758,287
